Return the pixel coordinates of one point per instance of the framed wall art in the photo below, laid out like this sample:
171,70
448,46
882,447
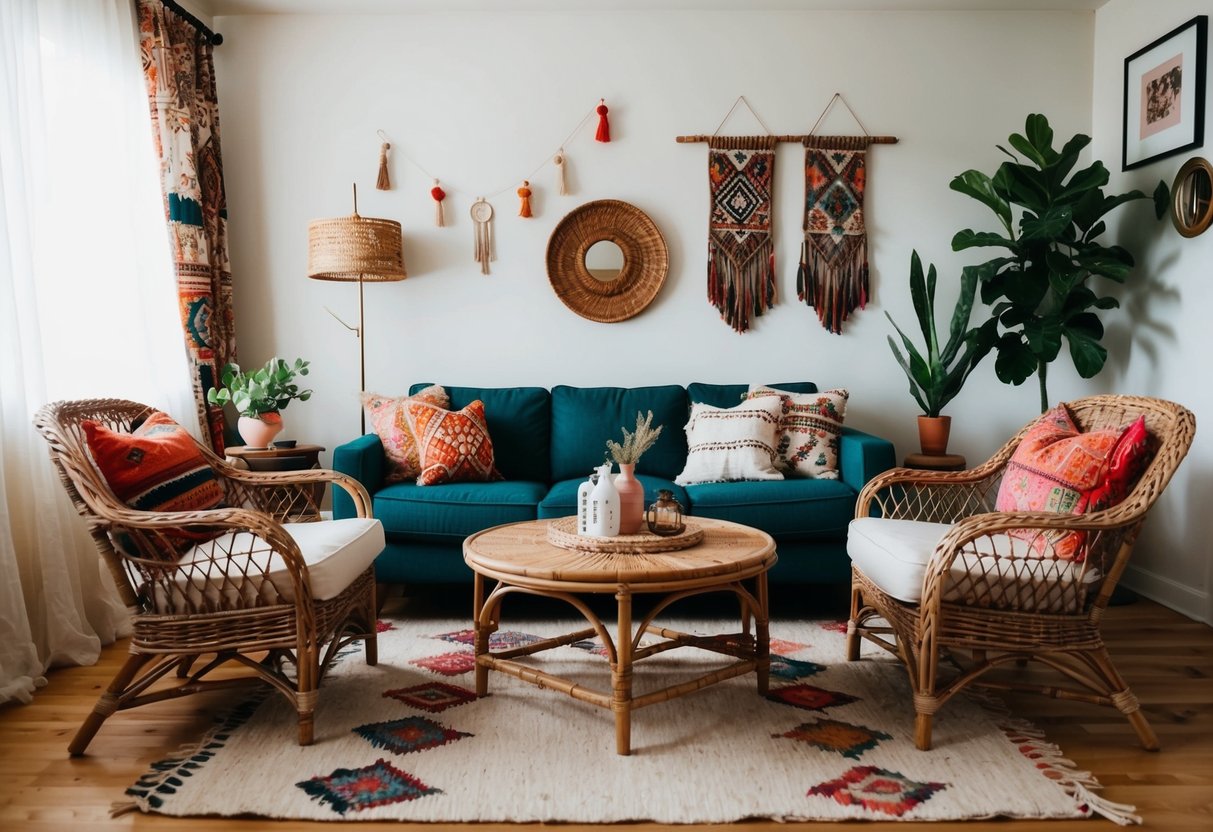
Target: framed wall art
1164,109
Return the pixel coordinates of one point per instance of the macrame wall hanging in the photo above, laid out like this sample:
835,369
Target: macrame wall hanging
833,273
482,222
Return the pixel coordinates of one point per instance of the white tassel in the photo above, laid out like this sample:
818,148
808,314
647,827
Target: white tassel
558,161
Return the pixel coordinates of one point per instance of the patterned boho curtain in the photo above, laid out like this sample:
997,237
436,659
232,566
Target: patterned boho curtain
179,68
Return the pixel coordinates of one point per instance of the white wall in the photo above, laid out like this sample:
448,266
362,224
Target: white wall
481,99
1163,341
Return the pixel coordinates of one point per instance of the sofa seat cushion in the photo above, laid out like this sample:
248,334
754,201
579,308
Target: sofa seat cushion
335,551
785,509
894,555
561,501
452,511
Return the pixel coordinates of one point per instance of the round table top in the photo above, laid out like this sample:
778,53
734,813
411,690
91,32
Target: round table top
519,553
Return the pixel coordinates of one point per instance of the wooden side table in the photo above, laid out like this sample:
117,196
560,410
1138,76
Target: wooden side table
298,458
935,462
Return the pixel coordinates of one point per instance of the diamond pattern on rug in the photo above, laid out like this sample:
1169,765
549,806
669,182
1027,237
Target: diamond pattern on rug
504,640
835,626
786,668
784,648
877,790
404,736
434,697
378,784
811,698
448,664
382,626
840,737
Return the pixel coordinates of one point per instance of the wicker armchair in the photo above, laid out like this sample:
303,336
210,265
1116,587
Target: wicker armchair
937,576
270,587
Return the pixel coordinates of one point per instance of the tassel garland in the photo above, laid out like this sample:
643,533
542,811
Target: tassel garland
604,126
524,194
438,194
482,219
383,183
558,161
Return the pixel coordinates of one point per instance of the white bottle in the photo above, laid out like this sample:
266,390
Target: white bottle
583,503
604,506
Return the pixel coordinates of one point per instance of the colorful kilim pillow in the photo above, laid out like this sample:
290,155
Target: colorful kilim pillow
156,467
809,431
736,443
453,446
1058,468
388,420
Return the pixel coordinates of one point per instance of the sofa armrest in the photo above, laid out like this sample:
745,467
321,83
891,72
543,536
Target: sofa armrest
361,459
862,456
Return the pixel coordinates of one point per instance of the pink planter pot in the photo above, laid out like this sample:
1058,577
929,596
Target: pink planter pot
259,432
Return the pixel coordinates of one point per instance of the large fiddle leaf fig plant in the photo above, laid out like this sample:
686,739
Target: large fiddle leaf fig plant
1051,220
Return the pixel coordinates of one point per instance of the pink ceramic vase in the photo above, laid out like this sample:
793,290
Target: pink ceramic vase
631,499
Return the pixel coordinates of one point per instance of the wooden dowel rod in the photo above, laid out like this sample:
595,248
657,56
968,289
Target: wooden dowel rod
666,694
546,680
789,138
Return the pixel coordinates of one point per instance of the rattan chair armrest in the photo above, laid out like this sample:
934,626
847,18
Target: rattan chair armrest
357,492
923,479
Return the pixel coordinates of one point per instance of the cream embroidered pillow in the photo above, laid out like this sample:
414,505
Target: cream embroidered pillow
809,431
389,419
736,443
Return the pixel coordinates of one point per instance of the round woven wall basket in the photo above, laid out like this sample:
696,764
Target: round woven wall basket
646,260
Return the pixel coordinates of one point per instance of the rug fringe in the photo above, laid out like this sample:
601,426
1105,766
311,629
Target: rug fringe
166,775
1048,756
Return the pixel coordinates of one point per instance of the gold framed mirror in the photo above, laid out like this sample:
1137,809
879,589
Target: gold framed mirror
607,260
1192,197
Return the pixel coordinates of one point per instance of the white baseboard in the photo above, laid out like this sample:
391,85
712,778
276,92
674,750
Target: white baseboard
1186,600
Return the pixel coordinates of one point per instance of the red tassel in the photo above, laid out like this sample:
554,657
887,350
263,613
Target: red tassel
438,194
524,193
604,126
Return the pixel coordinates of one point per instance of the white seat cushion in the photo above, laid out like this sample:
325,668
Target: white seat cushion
998,570
336,552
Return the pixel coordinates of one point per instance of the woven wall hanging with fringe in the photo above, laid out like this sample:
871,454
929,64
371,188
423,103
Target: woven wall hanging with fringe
741,249
833,274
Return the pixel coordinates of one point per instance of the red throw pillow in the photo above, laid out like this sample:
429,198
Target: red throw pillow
1058,468
156,467
452,446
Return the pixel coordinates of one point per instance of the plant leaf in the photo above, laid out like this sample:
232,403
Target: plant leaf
1015,363
914,386
1162,200
976,184
1047,226
1083,332
1040,134
1086,180
968,238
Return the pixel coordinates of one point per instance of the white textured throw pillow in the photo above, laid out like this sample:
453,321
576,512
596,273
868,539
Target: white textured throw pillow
736,443
809,431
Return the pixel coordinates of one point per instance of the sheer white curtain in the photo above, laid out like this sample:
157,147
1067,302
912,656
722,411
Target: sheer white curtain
87,306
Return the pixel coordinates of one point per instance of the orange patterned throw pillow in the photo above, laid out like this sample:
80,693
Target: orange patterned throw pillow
156,467
389,420
453,446
1058,468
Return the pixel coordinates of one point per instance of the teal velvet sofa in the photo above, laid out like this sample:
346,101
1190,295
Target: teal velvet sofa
547,442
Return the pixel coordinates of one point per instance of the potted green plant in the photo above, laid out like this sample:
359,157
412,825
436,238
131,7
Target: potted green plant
258,396
1051,222
937,374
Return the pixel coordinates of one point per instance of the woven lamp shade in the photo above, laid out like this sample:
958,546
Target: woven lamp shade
355,248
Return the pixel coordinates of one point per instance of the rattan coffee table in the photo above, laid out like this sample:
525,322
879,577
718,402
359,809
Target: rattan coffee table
520,559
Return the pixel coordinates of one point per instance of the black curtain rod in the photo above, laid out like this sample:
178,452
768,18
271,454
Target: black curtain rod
214,37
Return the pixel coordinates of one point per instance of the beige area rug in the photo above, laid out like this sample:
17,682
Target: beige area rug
409,740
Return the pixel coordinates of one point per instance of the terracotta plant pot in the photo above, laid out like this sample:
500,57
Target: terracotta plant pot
631,499
933,434
259,432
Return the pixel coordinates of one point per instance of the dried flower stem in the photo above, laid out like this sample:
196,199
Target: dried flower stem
635,444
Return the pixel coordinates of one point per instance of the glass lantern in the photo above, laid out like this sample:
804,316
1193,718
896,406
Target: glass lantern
664,517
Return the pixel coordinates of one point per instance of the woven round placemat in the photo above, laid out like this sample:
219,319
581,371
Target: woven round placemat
562,532
646,260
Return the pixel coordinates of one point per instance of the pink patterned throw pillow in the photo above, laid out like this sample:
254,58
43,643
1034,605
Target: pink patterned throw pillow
1058,468
389,420
809,431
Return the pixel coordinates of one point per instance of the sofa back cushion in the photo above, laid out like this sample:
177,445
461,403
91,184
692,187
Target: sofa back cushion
519,423
731,395
584,418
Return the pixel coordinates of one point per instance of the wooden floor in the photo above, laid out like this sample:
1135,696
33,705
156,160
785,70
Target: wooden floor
1167,658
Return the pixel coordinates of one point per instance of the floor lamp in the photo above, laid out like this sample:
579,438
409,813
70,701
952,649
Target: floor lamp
354,248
